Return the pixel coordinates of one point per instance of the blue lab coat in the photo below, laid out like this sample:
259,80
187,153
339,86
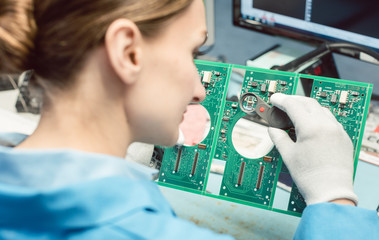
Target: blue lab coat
69,194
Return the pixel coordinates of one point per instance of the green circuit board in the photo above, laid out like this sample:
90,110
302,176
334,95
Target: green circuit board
215,168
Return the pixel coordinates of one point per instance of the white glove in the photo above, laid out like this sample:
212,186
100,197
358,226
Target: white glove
321,160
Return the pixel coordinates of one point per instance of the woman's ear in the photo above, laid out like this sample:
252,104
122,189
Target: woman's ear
123,42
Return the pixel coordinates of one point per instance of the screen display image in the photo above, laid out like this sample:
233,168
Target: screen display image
352,21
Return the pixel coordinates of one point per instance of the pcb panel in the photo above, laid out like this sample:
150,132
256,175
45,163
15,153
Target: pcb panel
215,168
347,103
187,166
244,178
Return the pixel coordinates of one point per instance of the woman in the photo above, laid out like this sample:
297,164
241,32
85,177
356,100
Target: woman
114,72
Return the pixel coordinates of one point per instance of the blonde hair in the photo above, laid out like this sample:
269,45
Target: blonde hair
17,30
56,38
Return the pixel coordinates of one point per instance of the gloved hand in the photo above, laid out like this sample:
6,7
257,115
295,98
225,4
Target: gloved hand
321,160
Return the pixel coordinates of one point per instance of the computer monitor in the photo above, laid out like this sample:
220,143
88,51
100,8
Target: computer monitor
351,21
210,18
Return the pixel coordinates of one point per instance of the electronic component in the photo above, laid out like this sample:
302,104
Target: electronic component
343,97
254,84
283,83
263,88
223,131
178,160
333,99
355,93
194,163
226,119
272,86
342,114
260,176
207,77
202,146
267,158
323,94
240,175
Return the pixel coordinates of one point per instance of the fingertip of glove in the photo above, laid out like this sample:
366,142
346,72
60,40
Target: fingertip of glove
276,134
274,130
277,97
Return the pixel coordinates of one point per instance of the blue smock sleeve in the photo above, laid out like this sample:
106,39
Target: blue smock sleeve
335,221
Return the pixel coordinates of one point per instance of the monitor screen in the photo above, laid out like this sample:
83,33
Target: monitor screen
209,11
353,21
